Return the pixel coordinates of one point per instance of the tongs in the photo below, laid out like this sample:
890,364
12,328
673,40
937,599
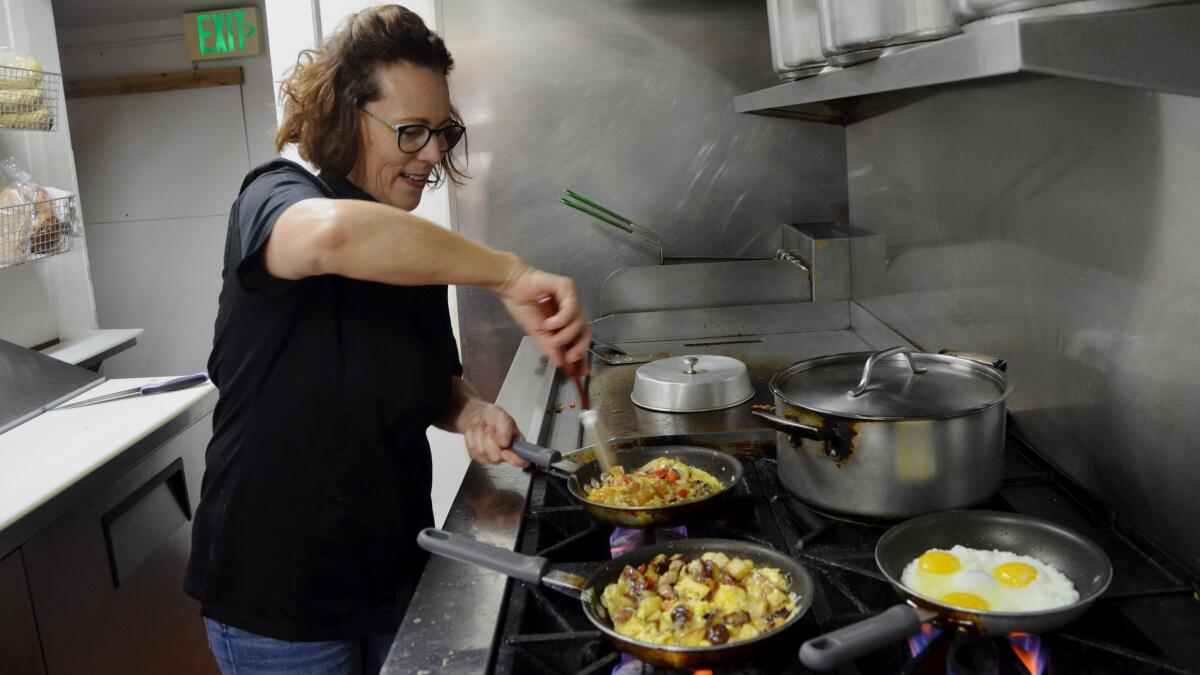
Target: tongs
610,217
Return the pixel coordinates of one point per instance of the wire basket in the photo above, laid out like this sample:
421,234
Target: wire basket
37,230
29,99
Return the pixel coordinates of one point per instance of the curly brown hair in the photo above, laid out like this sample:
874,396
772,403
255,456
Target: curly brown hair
327,87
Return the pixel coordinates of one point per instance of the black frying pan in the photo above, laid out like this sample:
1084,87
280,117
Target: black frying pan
1075,556
535,569
723,466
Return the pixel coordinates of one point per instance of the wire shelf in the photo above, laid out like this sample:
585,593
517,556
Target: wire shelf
38,229
29,99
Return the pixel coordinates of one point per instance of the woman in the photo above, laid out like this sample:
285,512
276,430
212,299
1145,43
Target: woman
333,354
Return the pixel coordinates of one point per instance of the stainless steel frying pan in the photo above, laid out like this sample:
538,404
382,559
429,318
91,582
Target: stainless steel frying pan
722,465
1084,563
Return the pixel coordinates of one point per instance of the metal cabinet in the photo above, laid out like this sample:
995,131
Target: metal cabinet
20,651
106,580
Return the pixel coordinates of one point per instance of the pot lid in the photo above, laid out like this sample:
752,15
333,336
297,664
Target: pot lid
692,383
901,384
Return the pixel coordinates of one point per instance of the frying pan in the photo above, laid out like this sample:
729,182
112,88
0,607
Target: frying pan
535,569
723,466
1075,556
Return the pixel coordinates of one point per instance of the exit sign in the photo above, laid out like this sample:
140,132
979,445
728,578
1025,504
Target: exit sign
222,33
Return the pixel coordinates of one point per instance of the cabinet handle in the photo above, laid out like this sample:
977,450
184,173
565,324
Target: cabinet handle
137,526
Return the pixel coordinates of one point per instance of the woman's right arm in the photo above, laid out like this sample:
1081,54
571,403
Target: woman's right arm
375,242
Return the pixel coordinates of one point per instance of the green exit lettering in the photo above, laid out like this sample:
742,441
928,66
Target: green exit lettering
223,32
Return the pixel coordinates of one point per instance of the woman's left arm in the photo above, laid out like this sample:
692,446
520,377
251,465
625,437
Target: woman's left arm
487,428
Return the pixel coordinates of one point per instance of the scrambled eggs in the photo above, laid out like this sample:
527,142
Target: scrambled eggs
660,482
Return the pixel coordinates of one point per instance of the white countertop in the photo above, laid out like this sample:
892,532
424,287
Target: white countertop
93,342
46,455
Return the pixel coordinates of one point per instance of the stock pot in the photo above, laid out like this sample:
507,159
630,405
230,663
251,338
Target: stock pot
892,434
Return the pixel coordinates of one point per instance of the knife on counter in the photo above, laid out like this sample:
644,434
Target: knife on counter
173,384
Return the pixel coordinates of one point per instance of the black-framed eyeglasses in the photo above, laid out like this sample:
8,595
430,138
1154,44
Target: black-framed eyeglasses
411,138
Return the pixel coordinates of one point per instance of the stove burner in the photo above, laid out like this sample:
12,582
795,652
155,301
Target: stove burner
625,539
1034,654
963,653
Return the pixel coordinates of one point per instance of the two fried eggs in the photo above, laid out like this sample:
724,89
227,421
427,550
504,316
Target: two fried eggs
989,581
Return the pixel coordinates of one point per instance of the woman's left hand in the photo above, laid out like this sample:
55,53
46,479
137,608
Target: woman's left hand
489,431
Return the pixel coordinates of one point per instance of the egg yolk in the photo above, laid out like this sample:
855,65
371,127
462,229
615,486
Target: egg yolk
967,600
1016,574
938,562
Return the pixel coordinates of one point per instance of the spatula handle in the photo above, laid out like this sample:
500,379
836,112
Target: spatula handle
573,369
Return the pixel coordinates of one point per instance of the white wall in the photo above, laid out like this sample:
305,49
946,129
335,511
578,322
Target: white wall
293,22
157,175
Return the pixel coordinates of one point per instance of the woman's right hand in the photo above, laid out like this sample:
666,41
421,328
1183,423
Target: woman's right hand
564,337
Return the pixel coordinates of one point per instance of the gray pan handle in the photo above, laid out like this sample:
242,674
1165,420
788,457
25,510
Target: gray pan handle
831,650
535,454
524,567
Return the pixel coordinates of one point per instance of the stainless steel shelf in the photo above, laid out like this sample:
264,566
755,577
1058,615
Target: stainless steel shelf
1153,48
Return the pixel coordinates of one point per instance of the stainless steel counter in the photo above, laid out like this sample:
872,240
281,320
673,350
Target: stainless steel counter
452,621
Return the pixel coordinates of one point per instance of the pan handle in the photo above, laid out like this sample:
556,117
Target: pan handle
527,568
876,358
535,454
789,426
828,651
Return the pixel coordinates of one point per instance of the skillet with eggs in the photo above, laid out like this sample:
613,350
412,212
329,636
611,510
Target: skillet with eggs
988,581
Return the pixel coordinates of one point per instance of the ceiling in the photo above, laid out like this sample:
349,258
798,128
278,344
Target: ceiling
84,13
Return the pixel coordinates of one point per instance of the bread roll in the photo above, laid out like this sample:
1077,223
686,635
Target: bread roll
38,118
15,228
28,77
19,100
47,228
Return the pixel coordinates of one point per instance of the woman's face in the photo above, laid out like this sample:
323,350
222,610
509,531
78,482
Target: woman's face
408,95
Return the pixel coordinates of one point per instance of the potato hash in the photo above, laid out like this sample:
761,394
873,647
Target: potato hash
711,600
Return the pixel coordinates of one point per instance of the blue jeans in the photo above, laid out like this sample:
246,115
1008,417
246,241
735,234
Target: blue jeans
241,652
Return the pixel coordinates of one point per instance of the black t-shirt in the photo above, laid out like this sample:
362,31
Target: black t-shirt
318,472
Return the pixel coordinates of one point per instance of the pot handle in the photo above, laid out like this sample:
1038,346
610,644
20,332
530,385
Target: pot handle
788,426
991,361
457,547
828,651
535,454
876,358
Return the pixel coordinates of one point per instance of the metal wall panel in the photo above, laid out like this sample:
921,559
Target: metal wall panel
1054,223
630,103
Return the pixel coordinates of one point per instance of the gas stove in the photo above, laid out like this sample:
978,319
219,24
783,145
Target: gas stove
1145,623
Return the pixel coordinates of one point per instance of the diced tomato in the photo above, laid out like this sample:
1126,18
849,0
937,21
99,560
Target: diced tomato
682,492
672,477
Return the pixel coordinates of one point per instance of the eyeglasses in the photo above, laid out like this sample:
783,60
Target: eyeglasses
411,138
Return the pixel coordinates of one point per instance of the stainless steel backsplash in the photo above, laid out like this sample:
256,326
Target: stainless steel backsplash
1057,224
630,103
